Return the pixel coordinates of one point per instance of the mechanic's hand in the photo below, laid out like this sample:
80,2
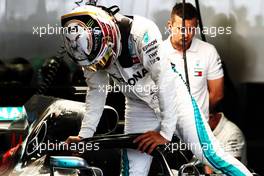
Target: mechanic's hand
72,139
149,140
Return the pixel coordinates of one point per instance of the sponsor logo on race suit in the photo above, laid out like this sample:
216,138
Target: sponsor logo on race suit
149,45
137,76
198,70
133,79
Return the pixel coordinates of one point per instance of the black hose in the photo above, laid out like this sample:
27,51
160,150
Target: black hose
183,46
200,20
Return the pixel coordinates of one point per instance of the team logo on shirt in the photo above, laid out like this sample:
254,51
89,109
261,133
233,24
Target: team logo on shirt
198,72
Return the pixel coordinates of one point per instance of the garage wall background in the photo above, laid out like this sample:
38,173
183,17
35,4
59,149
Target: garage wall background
242,50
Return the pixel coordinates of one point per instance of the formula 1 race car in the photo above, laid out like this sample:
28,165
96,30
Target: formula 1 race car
42,120
46,122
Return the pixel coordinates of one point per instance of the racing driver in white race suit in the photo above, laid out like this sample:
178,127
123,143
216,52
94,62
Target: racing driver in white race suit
108,44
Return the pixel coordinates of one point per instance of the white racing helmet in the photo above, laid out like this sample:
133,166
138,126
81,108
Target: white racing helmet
92,38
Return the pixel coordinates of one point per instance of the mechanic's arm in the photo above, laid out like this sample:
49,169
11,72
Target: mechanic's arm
236,144
215,78
95,101
216,91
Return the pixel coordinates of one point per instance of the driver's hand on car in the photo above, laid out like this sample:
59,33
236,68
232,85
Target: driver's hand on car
148,141
73,139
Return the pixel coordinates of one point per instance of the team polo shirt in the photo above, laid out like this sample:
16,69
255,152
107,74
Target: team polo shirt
231,138
203,63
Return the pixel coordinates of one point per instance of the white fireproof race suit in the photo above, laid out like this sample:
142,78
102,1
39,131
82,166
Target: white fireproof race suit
168,109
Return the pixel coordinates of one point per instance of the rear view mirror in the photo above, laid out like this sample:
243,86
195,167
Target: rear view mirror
72,165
